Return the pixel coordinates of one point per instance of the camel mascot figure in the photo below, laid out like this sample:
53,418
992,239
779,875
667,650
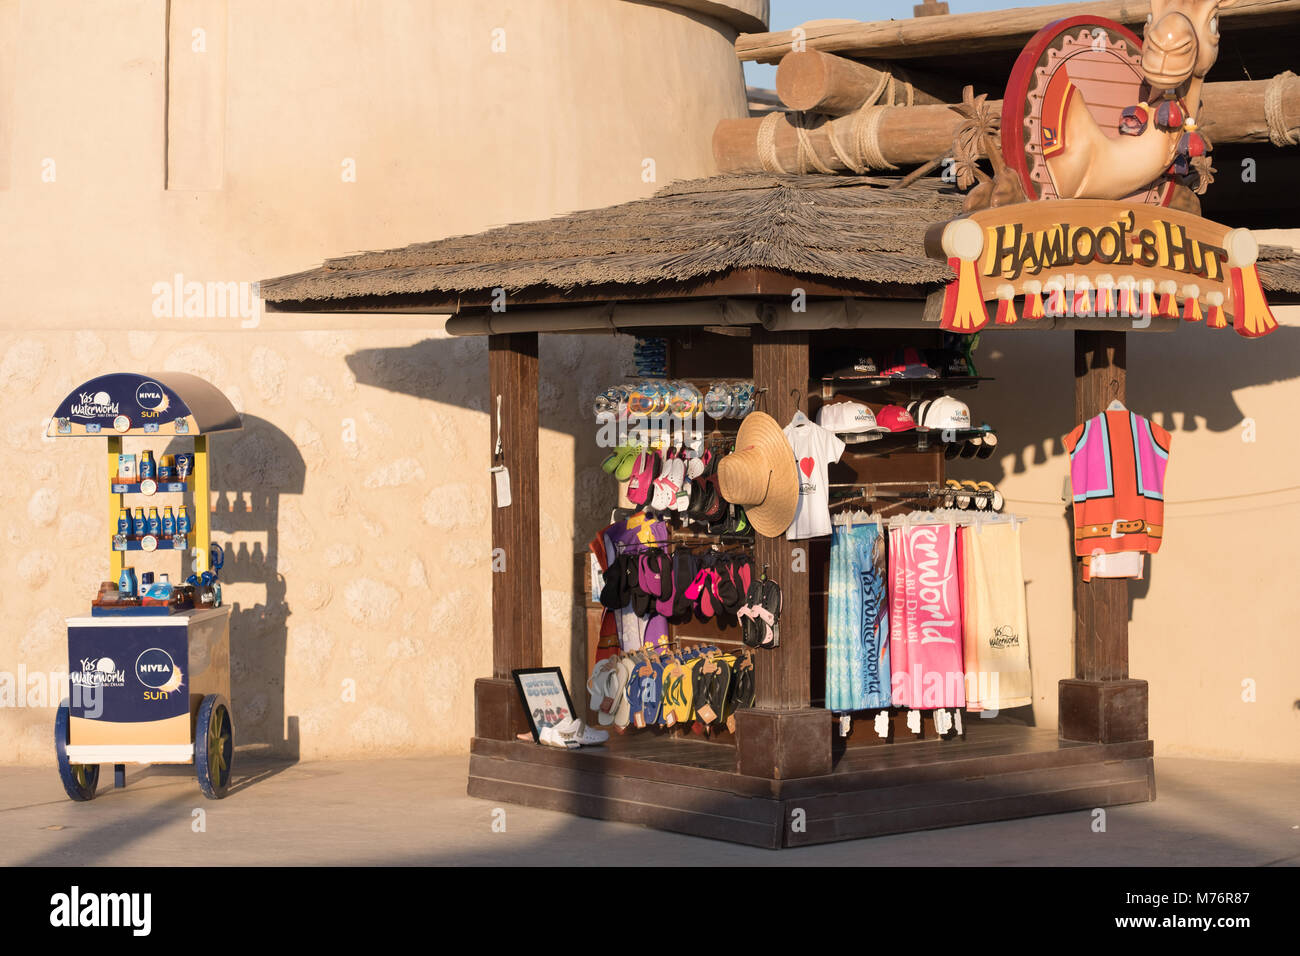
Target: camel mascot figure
1093,113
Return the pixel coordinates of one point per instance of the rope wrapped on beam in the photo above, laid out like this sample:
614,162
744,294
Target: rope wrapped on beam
1278,132
863,153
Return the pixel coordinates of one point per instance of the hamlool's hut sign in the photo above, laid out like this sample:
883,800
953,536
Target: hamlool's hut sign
1092,210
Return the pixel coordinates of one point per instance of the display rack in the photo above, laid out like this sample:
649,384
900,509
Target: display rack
150,678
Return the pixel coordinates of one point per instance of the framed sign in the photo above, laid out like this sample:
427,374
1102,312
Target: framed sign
545,697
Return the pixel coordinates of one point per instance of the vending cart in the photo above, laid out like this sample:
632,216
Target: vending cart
149,660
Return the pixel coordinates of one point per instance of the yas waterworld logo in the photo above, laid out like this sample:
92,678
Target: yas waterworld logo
99,672
94,405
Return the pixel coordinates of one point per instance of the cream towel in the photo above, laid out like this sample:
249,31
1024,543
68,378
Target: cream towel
996,622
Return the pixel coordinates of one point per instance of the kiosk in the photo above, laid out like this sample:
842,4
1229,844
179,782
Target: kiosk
149,670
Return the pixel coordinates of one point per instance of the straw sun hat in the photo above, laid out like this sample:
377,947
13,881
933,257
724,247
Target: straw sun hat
761,476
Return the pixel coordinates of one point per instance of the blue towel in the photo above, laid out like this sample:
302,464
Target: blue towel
857,621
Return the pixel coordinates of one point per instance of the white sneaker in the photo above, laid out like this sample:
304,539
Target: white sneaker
549,737
575,733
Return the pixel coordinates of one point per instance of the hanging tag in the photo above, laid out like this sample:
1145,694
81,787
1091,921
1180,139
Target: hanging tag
956,720
882,725
942,722
502,475
914,721
846,724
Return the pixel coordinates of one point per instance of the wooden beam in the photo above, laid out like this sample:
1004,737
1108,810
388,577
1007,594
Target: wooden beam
1231,113
516,530
836,85
967,33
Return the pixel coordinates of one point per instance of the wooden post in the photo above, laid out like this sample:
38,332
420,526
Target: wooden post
114,507
202,549
781,736
1101,703
516,536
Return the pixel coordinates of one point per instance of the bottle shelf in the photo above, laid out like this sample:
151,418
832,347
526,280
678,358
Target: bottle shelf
164,544
161,487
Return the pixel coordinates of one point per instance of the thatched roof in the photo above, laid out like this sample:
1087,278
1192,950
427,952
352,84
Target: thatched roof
838,227
848,231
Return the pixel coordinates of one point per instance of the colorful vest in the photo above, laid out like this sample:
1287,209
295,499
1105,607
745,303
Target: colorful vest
1117,474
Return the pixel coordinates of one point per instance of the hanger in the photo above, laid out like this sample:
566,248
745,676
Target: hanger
799,417
1116,406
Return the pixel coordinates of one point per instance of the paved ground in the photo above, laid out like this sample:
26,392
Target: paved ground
415,811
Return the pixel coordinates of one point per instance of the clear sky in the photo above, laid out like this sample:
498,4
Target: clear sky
791,13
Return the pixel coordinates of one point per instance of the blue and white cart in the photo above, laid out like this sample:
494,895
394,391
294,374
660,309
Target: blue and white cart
149,684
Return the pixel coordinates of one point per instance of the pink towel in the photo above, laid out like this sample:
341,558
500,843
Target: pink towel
934,617
898,624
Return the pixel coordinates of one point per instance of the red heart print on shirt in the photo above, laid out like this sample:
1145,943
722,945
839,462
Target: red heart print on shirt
806,466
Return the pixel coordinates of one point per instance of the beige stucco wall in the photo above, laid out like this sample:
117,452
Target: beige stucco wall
355,504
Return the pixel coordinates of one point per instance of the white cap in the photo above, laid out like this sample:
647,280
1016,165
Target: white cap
847,418
943,412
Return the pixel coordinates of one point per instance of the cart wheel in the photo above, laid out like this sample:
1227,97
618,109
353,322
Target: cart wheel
79,779
214,746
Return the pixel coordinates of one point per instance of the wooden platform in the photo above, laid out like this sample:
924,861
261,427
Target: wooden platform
1001,772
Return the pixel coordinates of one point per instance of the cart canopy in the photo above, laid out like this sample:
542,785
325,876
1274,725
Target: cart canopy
130,403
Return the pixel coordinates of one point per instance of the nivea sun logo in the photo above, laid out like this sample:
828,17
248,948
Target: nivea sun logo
150,395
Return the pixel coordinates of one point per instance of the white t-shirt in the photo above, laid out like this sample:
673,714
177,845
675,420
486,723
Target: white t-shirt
814,449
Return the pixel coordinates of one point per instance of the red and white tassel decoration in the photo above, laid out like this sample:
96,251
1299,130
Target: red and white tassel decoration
1191,303
1124,304
1082,304
1106,295
1006,305
1251,315
1033,300
1214,317
1055,291
963,299
1146,298
1168,300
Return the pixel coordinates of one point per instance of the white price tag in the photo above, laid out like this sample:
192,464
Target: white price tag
502,475
914,721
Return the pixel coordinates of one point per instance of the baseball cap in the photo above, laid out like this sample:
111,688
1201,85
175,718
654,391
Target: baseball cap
895,418
907,363
847,418
942,412
862,367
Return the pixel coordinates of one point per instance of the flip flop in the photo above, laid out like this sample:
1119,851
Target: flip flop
640,484
684,568
606,690
676,693
711,677
622,709
619,464
770,614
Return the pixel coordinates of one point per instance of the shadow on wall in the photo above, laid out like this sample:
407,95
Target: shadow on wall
251,469
418,370
1187,379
